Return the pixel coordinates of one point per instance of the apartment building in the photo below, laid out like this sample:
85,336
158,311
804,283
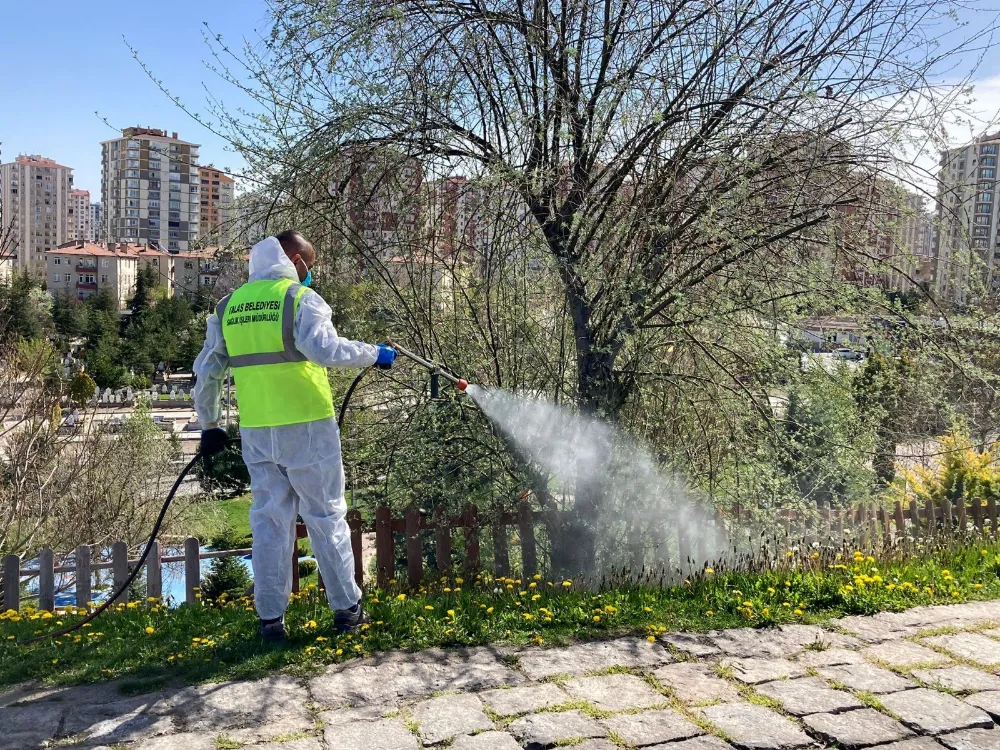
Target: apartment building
968,239
96,226
79,213
150,189
81,269
218,210
36,203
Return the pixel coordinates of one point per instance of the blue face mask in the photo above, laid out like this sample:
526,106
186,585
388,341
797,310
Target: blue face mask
308,279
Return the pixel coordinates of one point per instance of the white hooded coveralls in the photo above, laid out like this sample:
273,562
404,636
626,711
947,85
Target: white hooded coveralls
294,469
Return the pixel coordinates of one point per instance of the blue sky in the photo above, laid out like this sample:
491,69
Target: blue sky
69,60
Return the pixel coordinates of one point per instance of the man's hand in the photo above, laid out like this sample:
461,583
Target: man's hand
213,441
386,356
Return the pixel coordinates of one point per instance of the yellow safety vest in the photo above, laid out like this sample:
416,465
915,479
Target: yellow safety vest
275,382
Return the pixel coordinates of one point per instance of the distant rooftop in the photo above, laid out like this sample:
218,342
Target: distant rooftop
34,160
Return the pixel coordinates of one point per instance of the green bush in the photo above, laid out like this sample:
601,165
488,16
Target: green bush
227,576
307,568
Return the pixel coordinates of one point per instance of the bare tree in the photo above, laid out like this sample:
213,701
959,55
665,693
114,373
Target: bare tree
683,166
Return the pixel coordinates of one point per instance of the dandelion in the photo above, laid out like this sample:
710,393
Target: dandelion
709,613
528,616
150,630
451,613
459,581
798,612
489,610
647,609
709,571
567,584
977,585
429,608
401,598
339,652
536,597
597,618
748,605
651,639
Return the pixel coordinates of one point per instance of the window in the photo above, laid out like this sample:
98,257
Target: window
104,262
131,222
104,279
187,264
132,183
56,278
132,173
174,177
87,278
985,197
983,208
988,149
154,165
57,261
989,161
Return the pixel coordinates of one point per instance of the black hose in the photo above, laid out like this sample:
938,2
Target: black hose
159,522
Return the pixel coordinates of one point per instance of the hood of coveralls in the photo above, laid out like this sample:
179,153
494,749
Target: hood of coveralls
268,261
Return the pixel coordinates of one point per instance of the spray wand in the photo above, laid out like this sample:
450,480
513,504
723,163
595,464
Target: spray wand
434,367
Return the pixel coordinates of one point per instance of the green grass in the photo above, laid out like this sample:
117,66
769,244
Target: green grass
205,520
211,641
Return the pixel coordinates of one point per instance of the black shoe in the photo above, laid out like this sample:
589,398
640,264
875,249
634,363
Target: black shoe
272,631
349,620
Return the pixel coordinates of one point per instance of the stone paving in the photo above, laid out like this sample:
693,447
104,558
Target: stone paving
925,679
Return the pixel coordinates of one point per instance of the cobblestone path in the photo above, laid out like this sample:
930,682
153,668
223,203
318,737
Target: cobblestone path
924,679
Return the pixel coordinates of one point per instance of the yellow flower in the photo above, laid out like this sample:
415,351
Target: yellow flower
536,597
977,585
429,608
798,612
567,584
610,610
339,652
532,585
647,609
709,571
651,639
489,610
748,605
150,630
709,613
401,598
447,590
597,618
459,581
528,616
451,613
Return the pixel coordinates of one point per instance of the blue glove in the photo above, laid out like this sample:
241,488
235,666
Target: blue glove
386,356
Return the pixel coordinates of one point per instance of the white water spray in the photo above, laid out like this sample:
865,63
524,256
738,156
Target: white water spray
647,516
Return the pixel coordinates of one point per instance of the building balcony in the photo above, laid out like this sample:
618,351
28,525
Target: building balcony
86,267
86,285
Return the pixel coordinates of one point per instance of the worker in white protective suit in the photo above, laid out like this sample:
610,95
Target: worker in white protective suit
277,336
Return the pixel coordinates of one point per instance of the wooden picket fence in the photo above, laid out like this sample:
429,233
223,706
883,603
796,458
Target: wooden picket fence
866,526
442,525
14,574
874,526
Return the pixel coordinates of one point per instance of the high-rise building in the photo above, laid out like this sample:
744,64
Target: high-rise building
218,211
96,225
35,193
150,189
79,213
968,241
